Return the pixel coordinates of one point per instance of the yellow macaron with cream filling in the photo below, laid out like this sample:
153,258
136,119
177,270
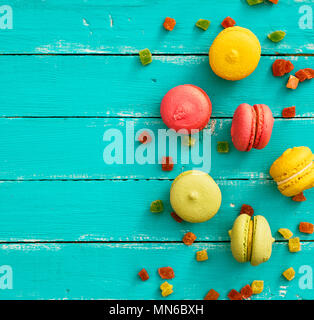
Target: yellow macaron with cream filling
251,240
195,196
294,171
235,53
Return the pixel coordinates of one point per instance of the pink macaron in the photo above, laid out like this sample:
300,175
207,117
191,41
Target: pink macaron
251,126
186,108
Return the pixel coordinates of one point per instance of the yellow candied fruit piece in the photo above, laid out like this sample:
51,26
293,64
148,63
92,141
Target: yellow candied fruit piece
166,292
257,286
289,274
286,233
201,255
294,244
166,289
188,141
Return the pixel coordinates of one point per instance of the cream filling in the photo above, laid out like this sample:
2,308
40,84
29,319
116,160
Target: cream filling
279,183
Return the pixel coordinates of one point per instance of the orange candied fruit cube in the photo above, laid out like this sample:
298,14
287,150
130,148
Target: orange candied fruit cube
274,1
246,209
299,197
144,137
169,24
289,112
228,22
189,238
202,255
167,163
293,82
143,275
176,217
212,295
306,227
246,291
166,273
234,295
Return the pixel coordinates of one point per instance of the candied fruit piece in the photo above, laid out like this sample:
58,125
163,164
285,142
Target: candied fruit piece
289,274
234,295
144,137
212,295
223,146
299,197
286,233
246,209
306,227
145,56
169,23
274,1
188,141
293,82
246,291
166,289
166,273
167,164
276,36
189,238
203,24
289,112
228,22
201,255
143,275
176,217
281,67
294,244
157,206
305,74
254,2
229,233
257,286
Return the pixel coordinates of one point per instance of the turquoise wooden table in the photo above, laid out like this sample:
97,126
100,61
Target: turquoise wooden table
74,227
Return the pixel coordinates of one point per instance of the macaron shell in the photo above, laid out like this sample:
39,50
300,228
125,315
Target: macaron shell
186,107
243,127
235,53
195,196
264,125
262,241
239,238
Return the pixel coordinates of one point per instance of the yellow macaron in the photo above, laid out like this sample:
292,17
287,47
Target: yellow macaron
235,53
195,196
251,240
294,171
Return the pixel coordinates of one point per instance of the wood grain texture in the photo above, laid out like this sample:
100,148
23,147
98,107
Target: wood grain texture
119,211
33,149
116,86
109,271
92,26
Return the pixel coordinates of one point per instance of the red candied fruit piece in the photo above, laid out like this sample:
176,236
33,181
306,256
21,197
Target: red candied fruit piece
167,164
143,275
274,1
305,74
144,137
189,238
212,295
169,23
281,67
246,209
246,291
306,227
176,217
166,273
234,295
299,197
228,22
288,112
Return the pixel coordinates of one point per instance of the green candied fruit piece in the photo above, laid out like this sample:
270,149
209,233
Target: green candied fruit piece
145,56
223,146
203,24
157,206
276,36
188,141
254,2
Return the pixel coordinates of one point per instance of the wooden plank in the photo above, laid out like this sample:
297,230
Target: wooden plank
33,149
109,271
119,211
114,86
91,26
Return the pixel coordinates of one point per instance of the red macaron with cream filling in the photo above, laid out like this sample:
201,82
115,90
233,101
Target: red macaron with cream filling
186,108
251,126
